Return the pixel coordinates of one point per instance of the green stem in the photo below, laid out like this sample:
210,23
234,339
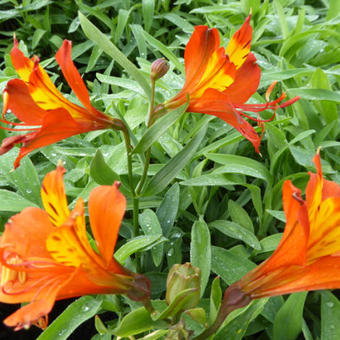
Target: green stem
135,199
148,151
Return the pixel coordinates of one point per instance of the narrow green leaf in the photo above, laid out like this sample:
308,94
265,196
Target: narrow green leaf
137,244
74,315
100,171
153,133
215,298
100,39
288,321
149,223
229,266
26,180
237,232
234,328
148,7
175,165
200,250
330,316
11,201
135,322
315,94
240,165
240,216
168,209
164,50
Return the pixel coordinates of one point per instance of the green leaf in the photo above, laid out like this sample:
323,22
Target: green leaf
74,315
26,180
210,180
237,232
168,209
149,223
235,327
240,165
175,165
315,94
164,50
11,201
178,304
330,316
137,244
101,172
100,39
148,7
229,266
161,125
215,299
239,215
288,320
200,250
136,322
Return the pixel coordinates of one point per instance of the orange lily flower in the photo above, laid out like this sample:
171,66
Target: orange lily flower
42,109
45,255
219,81
308,256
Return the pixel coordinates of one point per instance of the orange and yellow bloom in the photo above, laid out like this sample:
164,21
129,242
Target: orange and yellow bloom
308,256
219,82
45,255
42,109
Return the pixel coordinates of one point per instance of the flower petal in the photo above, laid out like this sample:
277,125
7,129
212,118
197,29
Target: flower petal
54,197
73,77
218,104
26,233
56,125
106,209
206,65
292,249
41,305
239,45
246,81
41,88
21,103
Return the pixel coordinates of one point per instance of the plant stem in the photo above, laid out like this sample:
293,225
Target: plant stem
148,151
135,199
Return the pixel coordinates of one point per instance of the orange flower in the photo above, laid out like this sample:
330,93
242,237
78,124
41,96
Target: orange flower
42,109
45,255
308,256
219,81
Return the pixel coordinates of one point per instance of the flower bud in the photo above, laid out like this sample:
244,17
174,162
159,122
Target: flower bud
182,277
159,68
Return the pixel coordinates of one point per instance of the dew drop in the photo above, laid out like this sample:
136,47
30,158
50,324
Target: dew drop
29,191
330,304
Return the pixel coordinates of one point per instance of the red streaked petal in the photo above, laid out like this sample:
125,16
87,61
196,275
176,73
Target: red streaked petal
246,81
206,65
106,209
54,197
202,44
292,249
22,64
239,45
73,77
21,104
218,104
9,142
57,125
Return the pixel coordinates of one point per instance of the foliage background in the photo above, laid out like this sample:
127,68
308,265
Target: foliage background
221,208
